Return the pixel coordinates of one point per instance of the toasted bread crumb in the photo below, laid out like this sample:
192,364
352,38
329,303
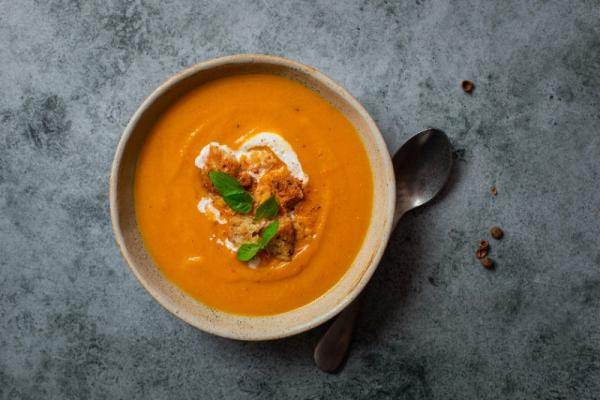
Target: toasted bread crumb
244,229
283,245
286,188
305,220
218,160
246,180
259,160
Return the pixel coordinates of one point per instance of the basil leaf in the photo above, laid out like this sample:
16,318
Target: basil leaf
268,209
225,183
247,251
268,234
232,191
240,202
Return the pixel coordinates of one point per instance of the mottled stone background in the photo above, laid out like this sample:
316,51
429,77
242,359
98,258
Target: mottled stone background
74,323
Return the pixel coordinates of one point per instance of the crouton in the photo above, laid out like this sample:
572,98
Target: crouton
218,160
244,229
246,180
282,246
257,161
280,183
306,220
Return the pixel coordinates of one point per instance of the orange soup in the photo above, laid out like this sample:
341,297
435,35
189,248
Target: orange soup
281,144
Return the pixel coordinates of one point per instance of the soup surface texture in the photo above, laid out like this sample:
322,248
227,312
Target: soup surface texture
190,246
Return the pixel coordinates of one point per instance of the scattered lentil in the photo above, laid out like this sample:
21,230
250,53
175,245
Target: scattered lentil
496,232
468,86
481,253
487,263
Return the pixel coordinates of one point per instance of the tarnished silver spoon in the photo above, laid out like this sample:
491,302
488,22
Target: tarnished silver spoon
422,167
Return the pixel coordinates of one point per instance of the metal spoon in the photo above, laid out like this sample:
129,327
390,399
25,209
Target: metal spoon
422,167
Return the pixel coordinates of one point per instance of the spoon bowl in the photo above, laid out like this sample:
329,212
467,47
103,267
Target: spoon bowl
422,167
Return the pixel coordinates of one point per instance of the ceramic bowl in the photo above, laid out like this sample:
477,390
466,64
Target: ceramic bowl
187,308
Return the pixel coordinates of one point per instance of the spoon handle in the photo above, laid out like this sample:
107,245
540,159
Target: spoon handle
332,348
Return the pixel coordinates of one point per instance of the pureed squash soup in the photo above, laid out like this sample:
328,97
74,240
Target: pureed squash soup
253,194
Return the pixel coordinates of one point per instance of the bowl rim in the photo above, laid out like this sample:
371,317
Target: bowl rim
369,267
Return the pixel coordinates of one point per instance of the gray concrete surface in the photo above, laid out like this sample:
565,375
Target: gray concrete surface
74,323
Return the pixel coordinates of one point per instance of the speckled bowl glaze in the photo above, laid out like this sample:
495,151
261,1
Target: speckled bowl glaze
179,303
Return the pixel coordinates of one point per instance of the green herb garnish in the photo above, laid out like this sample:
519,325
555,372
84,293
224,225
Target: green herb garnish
247,251
240,202
268,209
268,234
233,193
